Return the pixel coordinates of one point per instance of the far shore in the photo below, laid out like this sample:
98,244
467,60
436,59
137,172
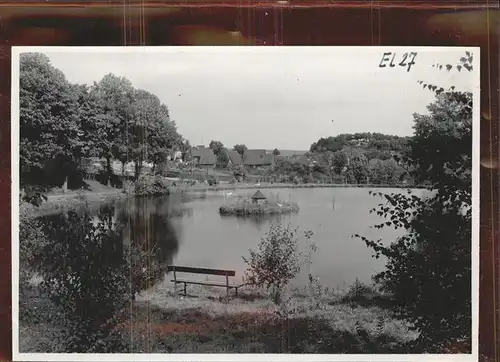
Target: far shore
57,202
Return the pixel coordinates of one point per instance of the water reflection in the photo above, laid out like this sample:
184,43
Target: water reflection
260,222
151,238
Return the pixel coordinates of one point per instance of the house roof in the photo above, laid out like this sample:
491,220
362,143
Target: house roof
205,156
258,196
256,158
234,157
268,159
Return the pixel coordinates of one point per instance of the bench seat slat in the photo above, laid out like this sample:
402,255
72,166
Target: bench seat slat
179,281
186,269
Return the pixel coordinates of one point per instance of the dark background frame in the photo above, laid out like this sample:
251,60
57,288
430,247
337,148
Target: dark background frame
295,22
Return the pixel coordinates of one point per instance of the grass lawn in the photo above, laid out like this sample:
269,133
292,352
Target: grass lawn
207,321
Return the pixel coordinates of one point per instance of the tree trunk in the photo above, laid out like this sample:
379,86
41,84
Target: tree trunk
136,165
65,184
108,167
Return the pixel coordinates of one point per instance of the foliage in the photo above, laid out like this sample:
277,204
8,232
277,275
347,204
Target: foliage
34,195
376,154
151,133
366,140
241,149
212,181
112,97
32,241
151,185
382,172
63,123
276,152
339,161
239,172
331,144
357,169
222,159
216,146
86,275
276,261
50,122
428,270
287,170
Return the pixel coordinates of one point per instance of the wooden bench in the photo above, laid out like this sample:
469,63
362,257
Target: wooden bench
206,271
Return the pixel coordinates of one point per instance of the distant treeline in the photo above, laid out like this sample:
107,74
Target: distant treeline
369,141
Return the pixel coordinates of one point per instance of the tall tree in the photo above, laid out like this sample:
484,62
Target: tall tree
151,132
382,171
216,147
113,97
339,161
49,120
357,169
276,152
241,149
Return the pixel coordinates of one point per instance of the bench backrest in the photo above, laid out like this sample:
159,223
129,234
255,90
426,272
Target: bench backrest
187,269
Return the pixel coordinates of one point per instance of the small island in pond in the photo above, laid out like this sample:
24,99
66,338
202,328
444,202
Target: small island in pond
258,204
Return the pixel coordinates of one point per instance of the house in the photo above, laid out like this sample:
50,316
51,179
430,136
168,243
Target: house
290,154
203,157
257,158
234,157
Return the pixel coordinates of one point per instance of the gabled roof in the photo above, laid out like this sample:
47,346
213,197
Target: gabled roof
268,159
255,158
204,155
234,157
258,196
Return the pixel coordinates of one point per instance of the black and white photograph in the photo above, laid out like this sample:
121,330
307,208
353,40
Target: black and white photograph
272,203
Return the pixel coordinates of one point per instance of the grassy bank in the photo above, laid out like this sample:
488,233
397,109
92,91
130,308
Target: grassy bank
72,200
207,321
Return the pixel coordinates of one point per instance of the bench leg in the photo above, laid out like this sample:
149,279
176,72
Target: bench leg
185,289
236,291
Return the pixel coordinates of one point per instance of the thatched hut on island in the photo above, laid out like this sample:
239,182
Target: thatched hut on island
258,204
258,198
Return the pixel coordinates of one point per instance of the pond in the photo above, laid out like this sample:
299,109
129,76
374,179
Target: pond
190,231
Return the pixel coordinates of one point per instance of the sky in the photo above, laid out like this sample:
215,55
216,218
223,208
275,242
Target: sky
273,97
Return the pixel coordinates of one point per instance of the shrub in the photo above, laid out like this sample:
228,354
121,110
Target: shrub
150,185
212,181
34,195
89,294
276,261
32,242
